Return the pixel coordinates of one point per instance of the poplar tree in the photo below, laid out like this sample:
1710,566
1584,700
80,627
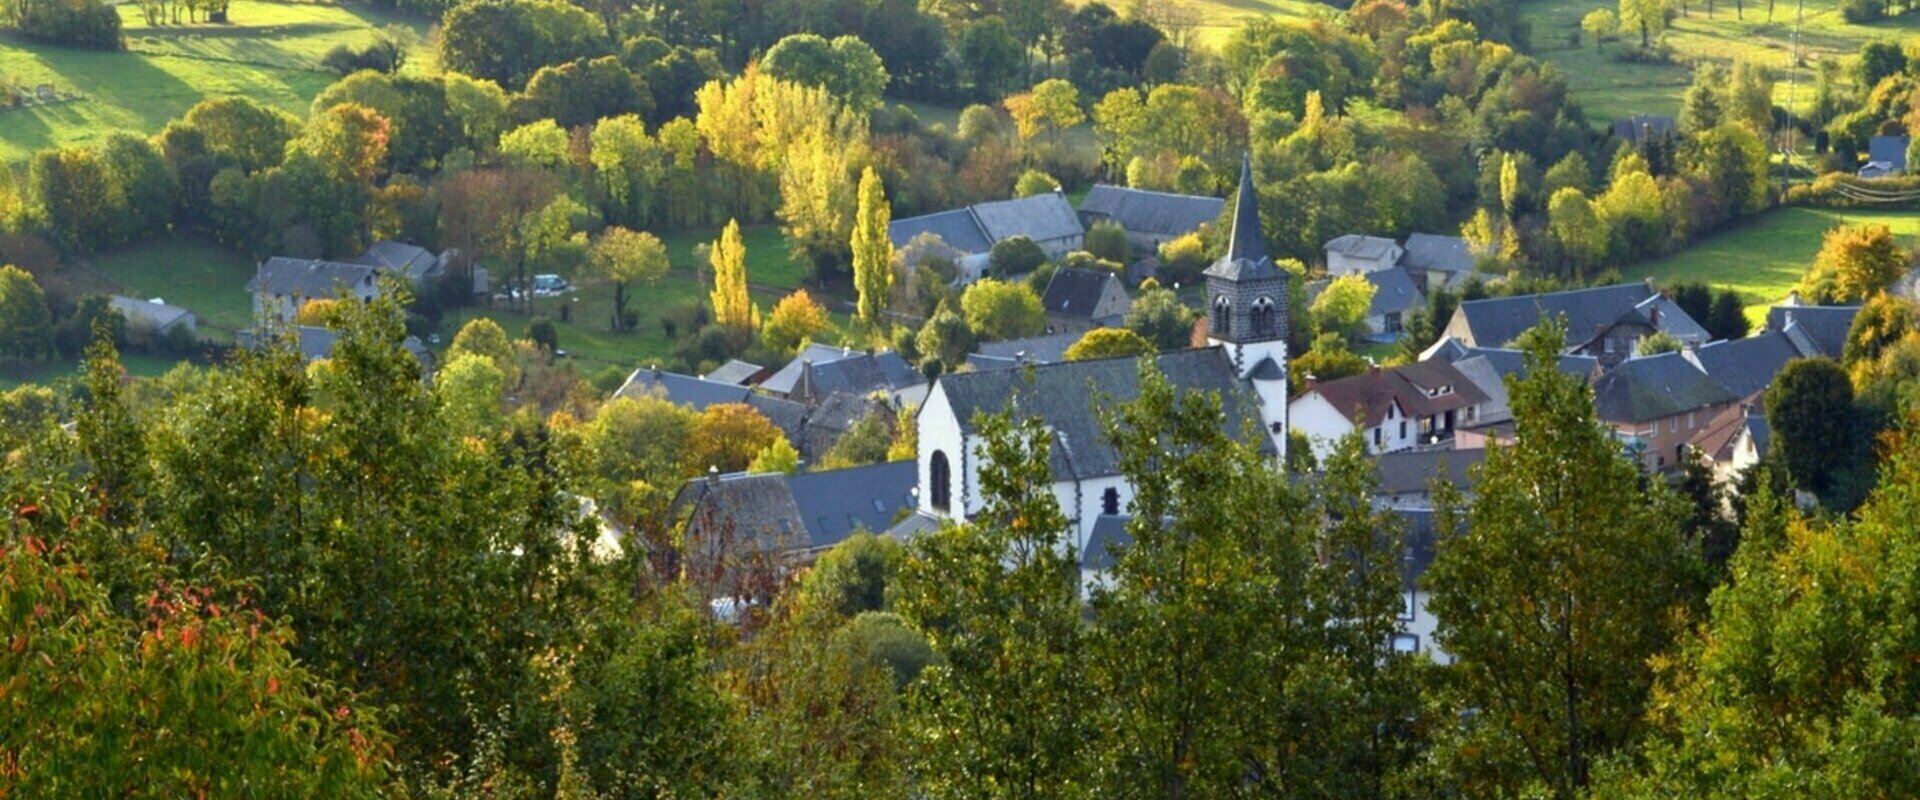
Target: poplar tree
1554,588
872,250
731,307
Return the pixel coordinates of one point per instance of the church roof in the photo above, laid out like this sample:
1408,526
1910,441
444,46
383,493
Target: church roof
1246,257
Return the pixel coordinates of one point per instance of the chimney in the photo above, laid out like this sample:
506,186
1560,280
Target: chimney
1654,312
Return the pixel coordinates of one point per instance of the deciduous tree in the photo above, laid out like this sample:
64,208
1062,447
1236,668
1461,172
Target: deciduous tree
872,250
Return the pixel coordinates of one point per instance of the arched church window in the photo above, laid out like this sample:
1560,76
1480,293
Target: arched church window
941,476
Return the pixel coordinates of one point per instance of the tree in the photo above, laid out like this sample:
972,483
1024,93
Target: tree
255,136
1553,589
996,310
795,320
468,389
872,250
1160,318
507,41
634,448
777,457
484,337
1649,17
1327,360
1015,255
731,306
1882,321
817,201
1855,263
540,144
78,197
865,442
990,59
1599,24
582,92
1108,240
1816,428
1108,343
1051,106
26,326
1582,234
630,167
1727,319
853,577
1656,343
846,67
480,106
1342,307
945,339
628,258
1033,182
996,604
727,437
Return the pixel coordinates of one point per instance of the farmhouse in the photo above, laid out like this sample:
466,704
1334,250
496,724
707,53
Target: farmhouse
1394,296
1606,322
1151,219
1354,253
1046,218
1079,300
415,263
1659,404
1438,262
281,285
820,370
1819,329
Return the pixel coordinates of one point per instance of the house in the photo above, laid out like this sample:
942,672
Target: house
1406,478
315,343
833,417
1395,409
1079,300
1823,329
1046,218
1659,404
1643,128
1886,157
415,263
1394,296
1150,218
1487,368
737,372
685,390
1734,441
1745,367
154,315
1606,322
1048,349
281,285
796,517
1437,262
1508,361
812,375
1356,253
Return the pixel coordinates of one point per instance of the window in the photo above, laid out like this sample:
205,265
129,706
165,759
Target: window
1393,322
1406,606
941,476
1376,436
1673,424
1689,420
1110,502
1608,344
1406,643
1222,317
1263,317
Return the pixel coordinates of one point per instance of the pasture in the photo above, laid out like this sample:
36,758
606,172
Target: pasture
1763,258
1607,88
270,52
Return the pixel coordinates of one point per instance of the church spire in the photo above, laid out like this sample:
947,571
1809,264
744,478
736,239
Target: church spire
1247,242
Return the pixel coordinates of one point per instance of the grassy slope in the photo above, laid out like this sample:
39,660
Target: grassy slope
203,277
1609,88
138,364
1763,258
270,53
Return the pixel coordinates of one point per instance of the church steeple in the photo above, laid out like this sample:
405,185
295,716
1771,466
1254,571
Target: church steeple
1246,293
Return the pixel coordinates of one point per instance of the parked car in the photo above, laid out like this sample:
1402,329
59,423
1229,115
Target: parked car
550,285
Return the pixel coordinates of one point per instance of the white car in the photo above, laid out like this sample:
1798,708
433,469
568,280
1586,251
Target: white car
550,285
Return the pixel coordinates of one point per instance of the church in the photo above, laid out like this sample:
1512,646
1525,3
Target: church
1245,362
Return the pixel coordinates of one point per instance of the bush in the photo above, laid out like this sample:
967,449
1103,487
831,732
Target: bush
1108,240
1015,255
541,331
1861,11
74,333
86,23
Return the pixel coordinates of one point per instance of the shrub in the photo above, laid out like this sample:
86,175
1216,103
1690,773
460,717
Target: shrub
1015,255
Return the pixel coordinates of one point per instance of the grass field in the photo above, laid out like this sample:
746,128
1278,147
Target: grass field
270,52
203,277
138,364
1763,258
1607,88
768,261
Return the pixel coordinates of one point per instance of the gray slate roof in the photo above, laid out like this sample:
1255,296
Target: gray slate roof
310,278
1508,361
957,228
158,314
787,415
1646,389
1354,245
1824,326
1043,216
1048,349
1889,150
1746,366
892,369
1104,543
680,389
810,511
1064,397
410,260
1498,321
1413,471
1426,251
734,371
1075,292
1393,292
1246,258
1152,213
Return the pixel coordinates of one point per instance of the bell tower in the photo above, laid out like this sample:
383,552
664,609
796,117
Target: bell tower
1247,309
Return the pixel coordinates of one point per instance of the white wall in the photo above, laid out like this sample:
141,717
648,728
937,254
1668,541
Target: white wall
1313,415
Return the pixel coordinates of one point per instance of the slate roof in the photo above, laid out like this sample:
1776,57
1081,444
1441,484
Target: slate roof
1354,245
310,278
1049,349
1041,217
734,371
1498,321
1393,292
1824,326
1888,150
1152,213
1373,392
787,415
1108,537
1075,292
1413,471
1646,389
862,374
1428,252
957,228
410,260
1637,126
1746,366
1246,258
680,389
153,312
1508,361
809,511
895,370
1064,397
